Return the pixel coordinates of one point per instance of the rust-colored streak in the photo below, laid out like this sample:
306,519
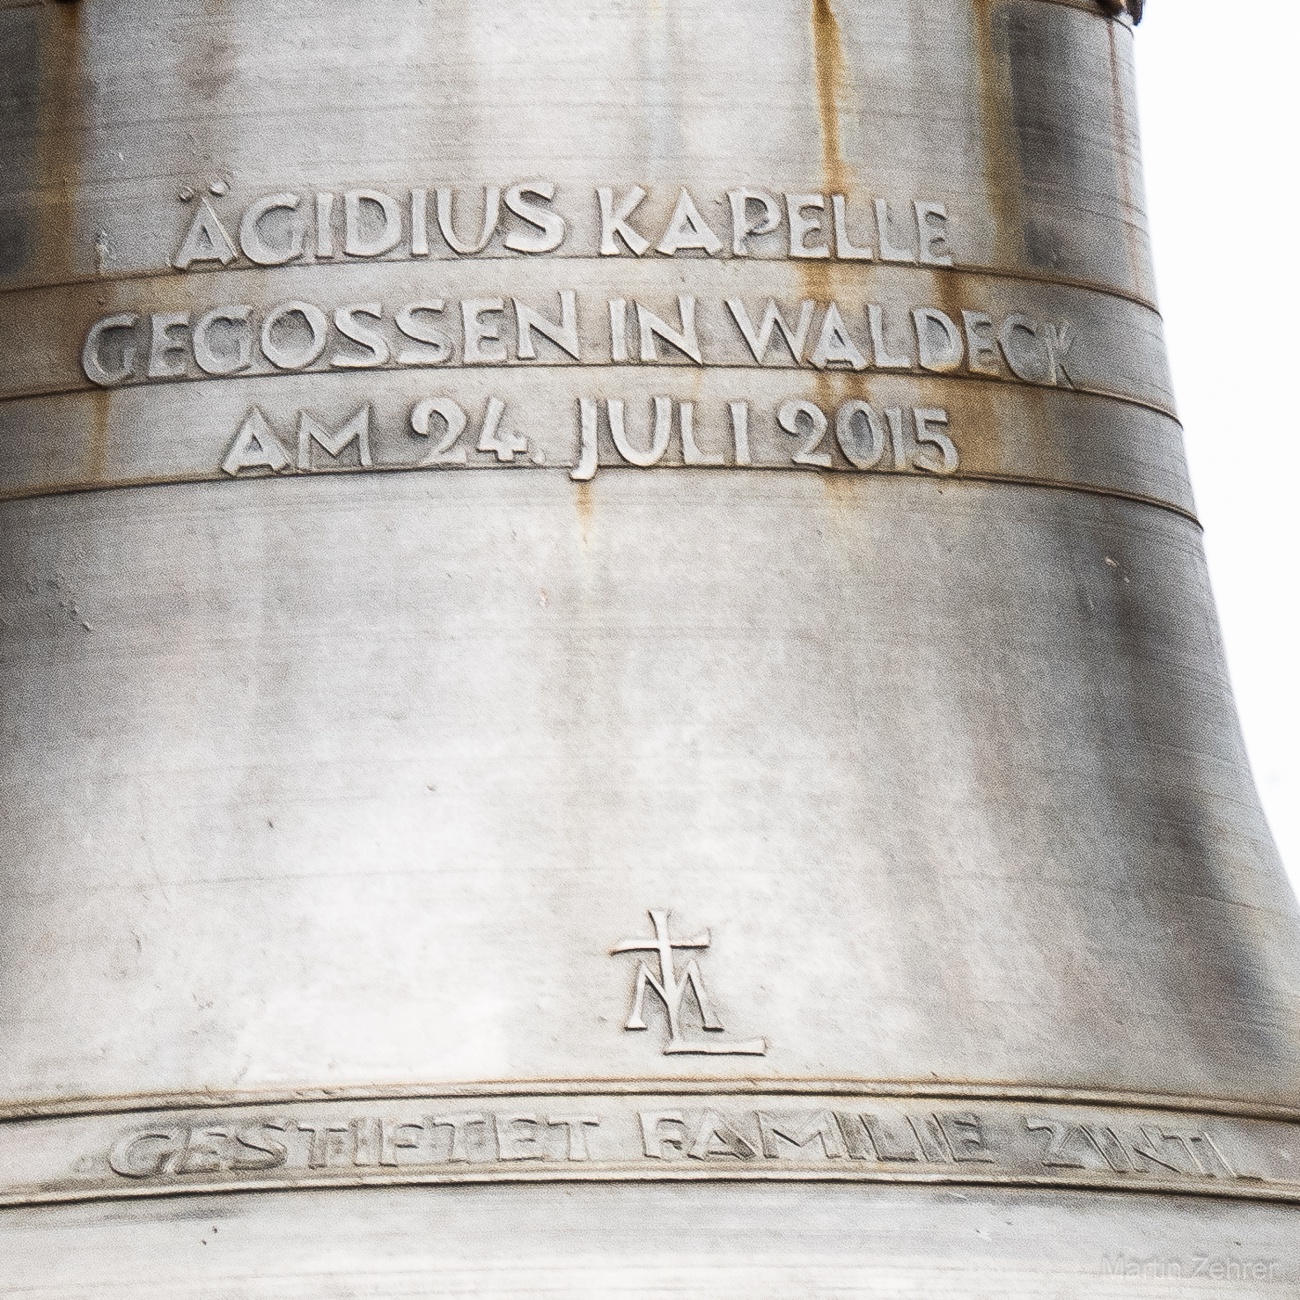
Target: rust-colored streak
830,77
1002,179
829,71
96,465
55,204
62,132
1133,235
585,508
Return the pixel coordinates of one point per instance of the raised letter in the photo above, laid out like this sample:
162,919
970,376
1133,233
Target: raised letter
758,340
653,1141
255,447
886,1144
212,362
206,240
820,1124
588,445
688,229
577,1126
357,242
459,1125
981,343
252,1137
436,345
419,223
564,335
550,225
834,346
618,329
716,1137
845,249
788,418
345,321
1060,339
942,351
613,221
512,1145
965,1134
127,1159
801,227
256,249
740,431
929,430
92,361
897,442
483,344
1055,1157
285,357
491,215
852,421
445,451
880,353
166,354
393,1138
490,437
934,242
741,225
659,440
1034,366
324,226
684,340
356,429
889,252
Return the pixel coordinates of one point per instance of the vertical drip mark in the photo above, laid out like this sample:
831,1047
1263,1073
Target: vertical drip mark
62,132
828,65
829,80
585,509
62,143
1138,282
1002,181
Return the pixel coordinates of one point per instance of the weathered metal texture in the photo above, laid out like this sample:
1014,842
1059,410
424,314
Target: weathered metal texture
1134,8
677,741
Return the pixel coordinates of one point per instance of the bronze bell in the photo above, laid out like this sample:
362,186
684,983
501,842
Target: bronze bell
607,680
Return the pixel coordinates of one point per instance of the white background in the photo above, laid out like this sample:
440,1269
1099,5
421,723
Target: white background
1219,91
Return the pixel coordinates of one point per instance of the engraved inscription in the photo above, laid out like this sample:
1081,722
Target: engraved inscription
684,366
239,340
661,430
530,218
370,1142
657,1134
673,987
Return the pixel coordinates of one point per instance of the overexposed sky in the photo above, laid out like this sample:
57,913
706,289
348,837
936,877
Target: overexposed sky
1219,89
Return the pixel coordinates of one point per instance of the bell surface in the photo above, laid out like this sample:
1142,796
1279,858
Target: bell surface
607,679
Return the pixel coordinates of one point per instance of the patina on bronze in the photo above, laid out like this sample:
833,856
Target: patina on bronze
607,678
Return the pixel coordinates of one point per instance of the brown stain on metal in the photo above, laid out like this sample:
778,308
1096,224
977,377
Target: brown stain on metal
1003,181
819,277
1119,129
59,258
585,509
1004,186
96,468
829,72
61,142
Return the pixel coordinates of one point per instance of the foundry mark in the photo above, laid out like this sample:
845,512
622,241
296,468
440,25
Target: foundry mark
671,987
